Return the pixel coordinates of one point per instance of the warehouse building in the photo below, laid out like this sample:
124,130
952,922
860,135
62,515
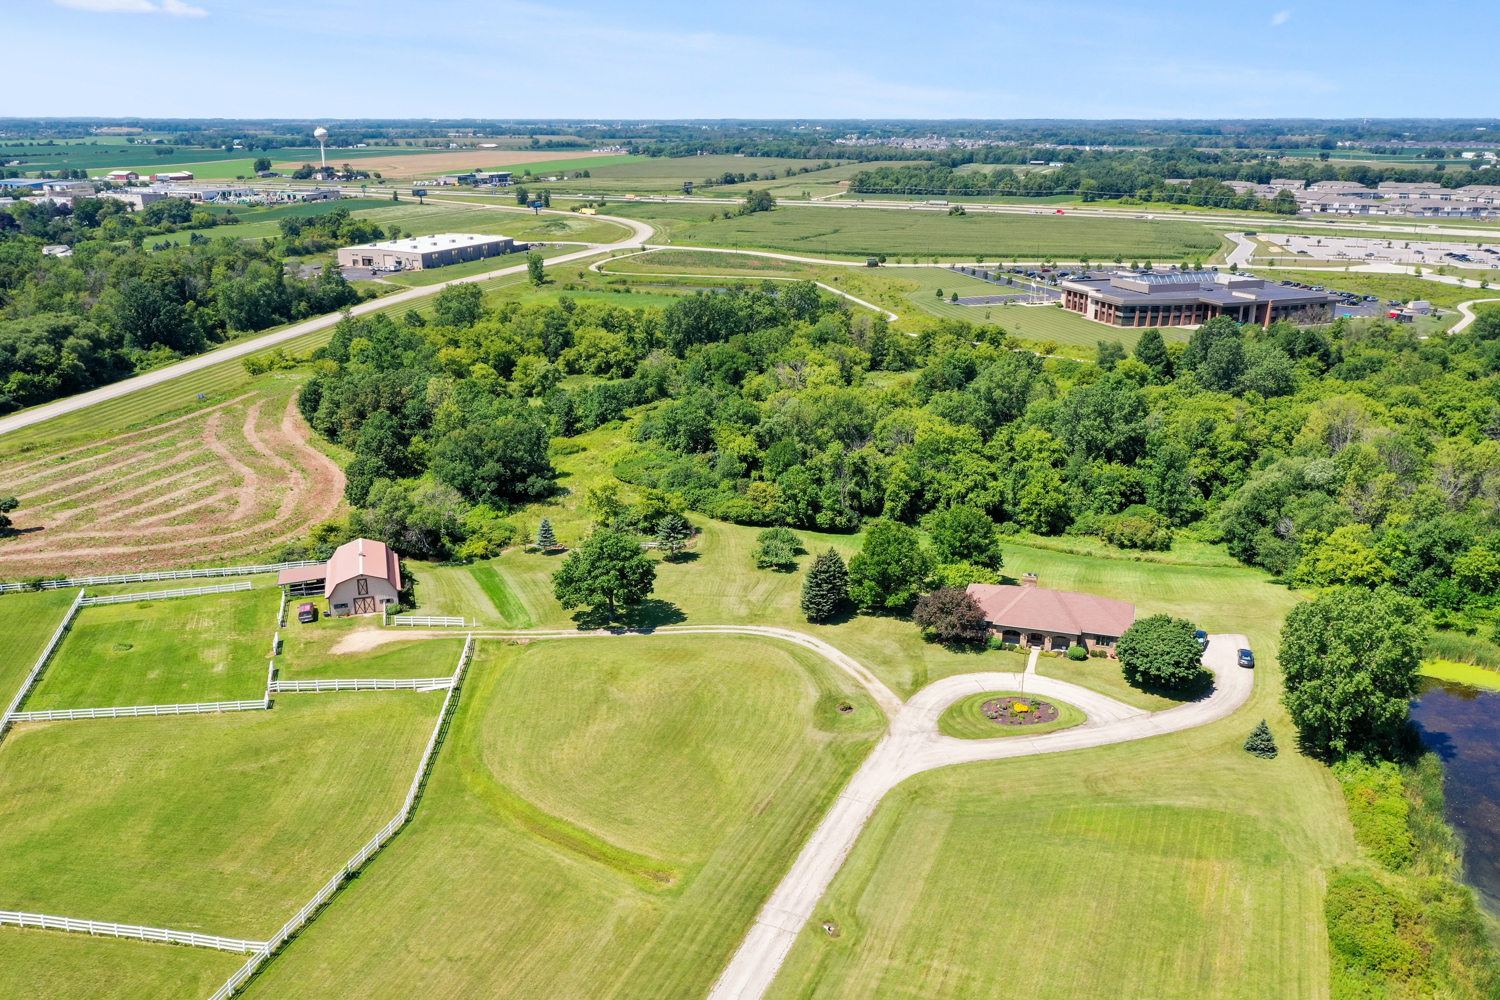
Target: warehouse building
1188,298
423,252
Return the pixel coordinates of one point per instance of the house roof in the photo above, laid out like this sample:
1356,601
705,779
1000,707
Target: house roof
1059,611
302,574
361,557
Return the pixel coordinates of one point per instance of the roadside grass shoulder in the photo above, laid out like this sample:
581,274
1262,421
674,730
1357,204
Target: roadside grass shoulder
224,824
605,819
30,620
49,964
186,649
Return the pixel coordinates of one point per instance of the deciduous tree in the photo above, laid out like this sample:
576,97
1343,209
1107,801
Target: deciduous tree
890,569
608,570
951,615
1161,651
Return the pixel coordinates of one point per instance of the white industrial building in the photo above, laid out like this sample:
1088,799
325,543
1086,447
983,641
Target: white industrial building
419,253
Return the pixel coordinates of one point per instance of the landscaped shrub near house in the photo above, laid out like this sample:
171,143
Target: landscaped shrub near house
1077,653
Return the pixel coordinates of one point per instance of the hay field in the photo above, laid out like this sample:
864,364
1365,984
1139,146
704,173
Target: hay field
604,821
209,486
448,161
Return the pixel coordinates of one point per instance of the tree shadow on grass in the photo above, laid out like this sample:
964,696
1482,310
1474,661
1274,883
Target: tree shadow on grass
649,614
1200,687
681,557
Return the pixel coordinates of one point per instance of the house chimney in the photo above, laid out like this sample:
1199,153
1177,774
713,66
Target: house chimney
1028,579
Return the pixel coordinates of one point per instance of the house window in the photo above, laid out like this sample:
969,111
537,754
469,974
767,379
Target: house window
362,586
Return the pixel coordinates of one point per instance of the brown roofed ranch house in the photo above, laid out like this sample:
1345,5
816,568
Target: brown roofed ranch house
361,579
1052,619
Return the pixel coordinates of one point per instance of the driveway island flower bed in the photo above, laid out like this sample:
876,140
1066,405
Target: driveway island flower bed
993,714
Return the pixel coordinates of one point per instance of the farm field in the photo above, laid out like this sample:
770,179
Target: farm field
211,647
414,162
705,261
600,823
860,232
219,482
31,620
78,967
223,824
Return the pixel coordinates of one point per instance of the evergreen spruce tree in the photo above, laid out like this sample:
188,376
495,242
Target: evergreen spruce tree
545,538
672,534
1261,742
1151,351
826,586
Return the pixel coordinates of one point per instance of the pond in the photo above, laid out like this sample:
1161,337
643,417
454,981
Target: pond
1461,724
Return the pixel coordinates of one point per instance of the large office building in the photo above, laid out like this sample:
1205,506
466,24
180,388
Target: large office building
419,253
1188,298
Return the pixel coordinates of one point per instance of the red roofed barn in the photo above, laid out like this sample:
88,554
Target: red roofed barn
1052,619
361,579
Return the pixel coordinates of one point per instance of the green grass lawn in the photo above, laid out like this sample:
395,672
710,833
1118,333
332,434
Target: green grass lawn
857,232
49,964
965,720
183,649
31,619
225,824
604,820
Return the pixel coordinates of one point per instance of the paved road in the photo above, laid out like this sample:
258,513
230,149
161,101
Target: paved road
25,418
913,745
1244,249
1467,313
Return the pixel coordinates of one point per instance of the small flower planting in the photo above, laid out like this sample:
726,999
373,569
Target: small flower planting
1019,711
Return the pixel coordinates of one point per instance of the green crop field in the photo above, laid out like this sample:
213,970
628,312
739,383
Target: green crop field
183,649
30,620
860,231
708,261
605,819
224,824
78,967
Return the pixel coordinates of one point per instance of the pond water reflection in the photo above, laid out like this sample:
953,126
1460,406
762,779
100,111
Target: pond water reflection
1461,725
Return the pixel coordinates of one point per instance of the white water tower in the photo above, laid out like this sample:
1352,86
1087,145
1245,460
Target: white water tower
320,133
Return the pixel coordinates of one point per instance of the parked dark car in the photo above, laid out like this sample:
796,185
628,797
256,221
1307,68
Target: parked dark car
1247,658
1202,639
307,613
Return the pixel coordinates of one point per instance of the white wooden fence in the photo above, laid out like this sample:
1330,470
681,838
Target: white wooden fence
169,574
157,595
362,684
41,661
103,929
197,708
415,621
364,854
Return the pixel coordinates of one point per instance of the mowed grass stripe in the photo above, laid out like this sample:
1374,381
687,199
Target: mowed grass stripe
620,749
49,964
225,824
30,620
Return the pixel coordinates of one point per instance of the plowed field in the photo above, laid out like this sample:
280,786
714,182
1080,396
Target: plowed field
225,481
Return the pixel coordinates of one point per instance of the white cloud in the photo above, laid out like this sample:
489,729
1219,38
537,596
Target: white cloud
1280,17
175,8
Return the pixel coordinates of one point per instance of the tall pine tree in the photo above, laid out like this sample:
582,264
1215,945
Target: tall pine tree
1261,742
826,586
545,538
672,534
1151,351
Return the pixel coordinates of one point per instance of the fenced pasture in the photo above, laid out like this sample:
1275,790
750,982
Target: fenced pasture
351,647
198,708
210,648
222,481
100,928
52,965
863,231
426,621
604,791
169,574
162,595
30,621
222,824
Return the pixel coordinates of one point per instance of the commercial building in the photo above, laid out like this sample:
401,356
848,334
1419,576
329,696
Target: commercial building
172,177
138,198
1052,619
361,578
1188,298
122,176
423,252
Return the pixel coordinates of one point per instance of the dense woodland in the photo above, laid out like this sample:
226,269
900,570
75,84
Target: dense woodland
1352,454
140,289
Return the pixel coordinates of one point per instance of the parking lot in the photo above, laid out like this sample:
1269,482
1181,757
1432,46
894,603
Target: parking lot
1358,249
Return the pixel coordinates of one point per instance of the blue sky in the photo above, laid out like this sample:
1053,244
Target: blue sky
775,59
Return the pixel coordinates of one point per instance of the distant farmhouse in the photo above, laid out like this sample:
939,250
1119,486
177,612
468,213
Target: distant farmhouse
1029,615
1188,298
423,252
